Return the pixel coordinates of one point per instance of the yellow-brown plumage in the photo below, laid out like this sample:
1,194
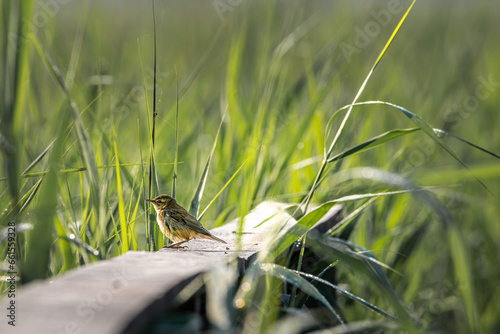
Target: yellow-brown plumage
176,223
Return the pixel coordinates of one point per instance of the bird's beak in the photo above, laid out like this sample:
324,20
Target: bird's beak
150,201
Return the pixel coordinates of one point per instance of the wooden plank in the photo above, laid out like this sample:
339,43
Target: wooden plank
103,297
111,296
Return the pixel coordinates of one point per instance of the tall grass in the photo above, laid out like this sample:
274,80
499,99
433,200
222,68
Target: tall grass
266,104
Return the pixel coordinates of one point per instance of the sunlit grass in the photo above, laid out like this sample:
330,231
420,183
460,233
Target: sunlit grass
265,105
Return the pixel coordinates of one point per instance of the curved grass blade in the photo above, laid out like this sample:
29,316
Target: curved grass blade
345,293
467,142
373,142
349,110
393,134
366,145
334,251
458,247
368,256
427,129
195,202
293,278
330,266
312,217
293,234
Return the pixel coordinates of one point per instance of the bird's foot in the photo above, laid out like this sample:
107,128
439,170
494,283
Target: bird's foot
176,245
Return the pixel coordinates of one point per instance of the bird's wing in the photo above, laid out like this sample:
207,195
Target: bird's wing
187,219
192,223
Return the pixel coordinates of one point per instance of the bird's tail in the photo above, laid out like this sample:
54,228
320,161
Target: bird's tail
213,237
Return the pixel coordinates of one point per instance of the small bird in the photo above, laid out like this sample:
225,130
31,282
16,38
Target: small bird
176,223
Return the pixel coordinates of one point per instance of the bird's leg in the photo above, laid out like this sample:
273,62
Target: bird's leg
176,245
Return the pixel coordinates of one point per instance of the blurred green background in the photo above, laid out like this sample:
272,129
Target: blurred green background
283,68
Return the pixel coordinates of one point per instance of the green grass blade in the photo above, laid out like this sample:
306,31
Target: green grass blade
468,143
303,126
199,66
307,221
428,130
37,160
121,205
195,202
83,169
150,223
69,261
155,107
83,139
410,243
36,264
294,279
345,293
362,88
77,45
222,189
23,203
28,197
349,110
132,219
312,217
116,235
373,142
174,177
463,273
349,218
302,242
16,69
334,251
457,245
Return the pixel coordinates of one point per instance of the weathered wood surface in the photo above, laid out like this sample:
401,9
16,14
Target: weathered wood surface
109,296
